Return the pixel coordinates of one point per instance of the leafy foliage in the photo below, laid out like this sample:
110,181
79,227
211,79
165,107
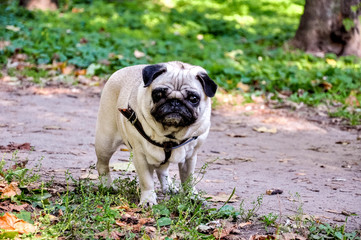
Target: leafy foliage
236,41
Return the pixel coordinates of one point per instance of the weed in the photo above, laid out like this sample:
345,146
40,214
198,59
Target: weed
269,219
326,231
17,171
246,214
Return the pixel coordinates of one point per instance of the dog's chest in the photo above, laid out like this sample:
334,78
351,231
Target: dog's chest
156,155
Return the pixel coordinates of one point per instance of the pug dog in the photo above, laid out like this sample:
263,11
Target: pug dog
162,113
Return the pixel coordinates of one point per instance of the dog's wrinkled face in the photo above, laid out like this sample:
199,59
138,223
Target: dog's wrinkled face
180,111
178,93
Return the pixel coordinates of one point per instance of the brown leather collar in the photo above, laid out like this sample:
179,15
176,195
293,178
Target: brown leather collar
167,146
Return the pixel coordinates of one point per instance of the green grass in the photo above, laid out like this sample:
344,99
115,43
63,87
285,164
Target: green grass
236,41
82,209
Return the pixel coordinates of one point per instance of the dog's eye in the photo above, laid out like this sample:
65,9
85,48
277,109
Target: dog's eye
158,94
193,99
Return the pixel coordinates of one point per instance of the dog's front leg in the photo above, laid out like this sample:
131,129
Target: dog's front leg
164,179
145,171
186,170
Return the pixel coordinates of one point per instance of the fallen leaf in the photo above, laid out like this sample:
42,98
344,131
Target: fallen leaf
125,207
112,235
343,142
301,174
51,127
67,70
214,181
10,190
9,222
352,100
331,61
291,236
236,135
222,197
123,166
326,85
80,72
221,233
77,10
265,130
243,87
12,28
4,44
150,229
274,191
14,146
262,237
243,224
284,160
138,54
90,176
243,159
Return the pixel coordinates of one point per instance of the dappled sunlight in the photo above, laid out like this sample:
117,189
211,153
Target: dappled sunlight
257,110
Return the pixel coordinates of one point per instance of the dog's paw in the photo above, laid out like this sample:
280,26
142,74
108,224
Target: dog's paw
106,181
148,199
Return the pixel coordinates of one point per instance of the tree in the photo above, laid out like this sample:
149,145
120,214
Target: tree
330,26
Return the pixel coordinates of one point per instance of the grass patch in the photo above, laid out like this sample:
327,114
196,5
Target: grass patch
237,42
80,209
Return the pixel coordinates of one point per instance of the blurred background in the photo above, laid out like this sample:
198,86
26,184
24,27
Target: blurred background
265,48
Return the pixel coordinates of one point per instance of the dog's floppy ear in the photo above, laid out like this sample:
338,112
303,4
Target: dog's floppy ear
151,72
209,86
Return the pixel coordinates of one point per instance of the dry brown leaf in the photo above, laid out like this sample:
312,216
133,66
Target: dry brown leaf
221,233
236,135
112,235
352,100
274,191
125,207
120,223
67,70
18,208
290,236
243,87
80,72
265,130
15,146
222,197
343,142
10,190
326,85
51,127
243,224
9,222
301,174
262,237
77,10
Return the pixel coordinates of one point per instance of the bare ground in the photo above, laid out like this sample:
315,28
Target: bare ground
306,156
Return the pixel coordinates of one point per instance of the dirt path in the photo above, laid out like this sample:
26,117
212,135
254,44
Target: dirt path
319,162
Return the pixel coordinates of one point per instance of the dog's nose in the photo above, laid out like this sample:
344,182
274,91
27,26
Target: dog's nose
175,103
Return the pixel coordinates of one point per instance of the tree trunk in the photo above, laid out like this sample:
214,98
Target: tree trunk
39,4
330,26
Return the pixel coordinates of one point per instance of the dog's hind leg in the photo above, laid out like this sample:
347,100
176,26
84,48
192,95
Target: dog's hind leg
105,146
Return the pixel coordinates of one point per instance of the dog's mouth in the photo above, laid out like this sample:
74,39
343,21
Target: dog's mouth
174,113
